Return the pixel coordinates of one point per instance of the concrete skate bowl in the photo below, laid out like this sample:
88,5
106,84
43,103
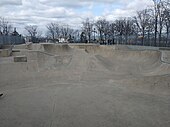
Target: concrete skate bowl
85,85
90,57
141,62
122,60
117,60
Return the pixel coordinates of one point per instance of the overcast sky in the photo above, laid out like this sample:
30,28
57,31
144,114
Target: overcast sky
72,12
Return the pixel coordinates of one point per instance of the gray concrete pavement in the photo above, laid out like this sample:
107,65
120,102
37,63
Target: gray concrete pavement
89,90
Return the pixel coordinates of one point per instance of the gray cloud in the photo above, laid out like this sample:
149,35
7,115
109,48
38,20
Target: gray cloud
75,3
41,12
10,2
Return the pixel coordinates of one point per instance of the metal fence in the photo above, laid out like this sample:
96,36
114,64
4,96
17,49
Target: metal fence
9,39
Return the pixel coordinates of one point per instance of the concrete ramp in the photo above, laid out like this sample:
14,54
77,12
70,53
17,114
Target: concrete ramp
52,62
120,60
56,49
165,56
123,60
92,57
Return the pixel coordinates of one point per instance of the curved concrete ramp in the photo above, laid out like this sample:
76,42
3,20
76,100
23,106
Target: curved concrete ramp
48,61
136,62
56,49
165,56
103,58
82,58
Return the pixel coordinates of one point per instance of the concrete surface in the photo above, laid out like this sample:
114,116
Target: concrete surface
5,52
20,58
85,86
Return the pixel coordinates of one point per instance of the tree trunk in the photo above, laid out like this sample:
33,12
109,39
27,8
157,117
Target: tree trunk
126,39
105,39
100,36
120,38
113,39
89,38
160,34
149,37
167,35
53,37
156,27
143,36
160,37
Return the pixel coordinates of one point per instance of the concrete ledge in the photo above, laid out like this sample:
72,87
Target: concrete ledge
20,59
5,52
164,48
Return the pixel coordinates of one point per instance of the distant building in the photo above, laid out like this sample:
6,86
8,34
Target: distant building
62,40
15,33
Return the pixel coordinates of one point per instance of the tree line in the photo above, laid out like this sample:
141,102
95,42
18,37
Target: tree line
150,27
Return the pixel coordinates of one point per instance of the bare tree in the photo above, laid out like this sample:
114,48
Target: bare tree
5,26
150,30
128,28
53,30
100,24
32,32
119,29
106,30
88,28
156,4
75,35
112,32
142,21
166,12
83,37
66,32
161,19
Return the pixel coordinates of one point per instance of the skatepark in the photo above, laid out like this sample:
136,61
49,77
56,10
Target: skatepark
84,85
